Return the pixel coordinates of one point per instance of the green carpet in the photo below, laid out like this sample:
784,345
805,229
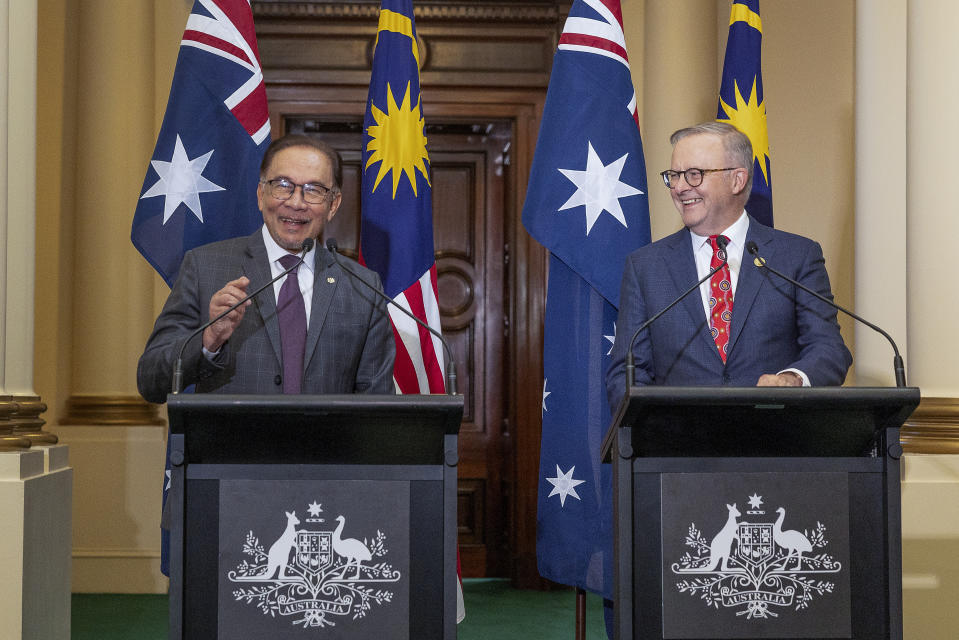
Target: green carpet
494,610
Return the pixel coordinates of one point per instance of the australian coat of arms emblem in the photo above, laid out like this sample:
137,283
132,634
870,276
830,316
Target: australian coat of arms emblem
313,574
757,566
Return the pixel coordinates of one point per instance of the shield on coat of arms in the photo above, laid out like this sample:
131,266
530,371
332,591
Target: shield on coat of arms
314,550
755,542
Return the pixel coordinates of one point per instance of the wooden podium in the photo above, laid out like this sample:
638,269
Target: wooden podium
298,512
758,512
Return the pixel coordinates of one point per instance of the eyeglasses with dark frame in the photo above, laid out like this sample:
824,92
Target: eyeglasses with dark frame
283,189
693,177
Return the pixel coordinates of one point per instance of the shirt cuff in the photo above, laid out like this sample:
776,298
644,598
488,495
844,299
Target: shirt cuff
802,376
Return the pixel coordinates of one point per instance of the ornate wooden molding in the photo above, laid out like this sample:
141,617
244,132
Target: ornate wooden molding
933,427
112,410
546,11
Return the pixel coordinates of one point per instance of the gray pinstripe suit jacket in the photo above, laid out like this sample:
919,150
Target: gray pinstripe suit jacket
349,342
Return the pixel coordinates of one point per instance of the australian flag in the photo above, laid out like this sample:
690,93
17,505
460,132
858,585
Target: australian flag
587,204
741,101
201,182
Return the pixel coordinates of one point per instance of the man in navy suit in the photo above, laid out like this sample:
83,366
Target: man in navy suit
349,345
775,335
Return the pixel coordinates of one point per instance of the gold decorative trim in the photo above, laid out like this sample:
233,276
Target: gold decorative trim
10,441
111,411
14,443
27,422
933,427
545,12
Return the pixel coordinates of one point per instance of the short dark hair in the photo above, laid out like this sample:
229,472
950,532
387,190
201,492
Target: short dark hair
302,140
736,144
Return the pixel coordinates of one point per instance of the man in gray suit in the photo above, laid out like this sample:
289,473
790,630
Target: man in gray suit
349,344
746,326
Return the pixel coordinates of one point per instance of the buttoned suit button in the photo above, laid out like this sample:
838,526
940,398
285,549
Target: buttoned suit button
277,379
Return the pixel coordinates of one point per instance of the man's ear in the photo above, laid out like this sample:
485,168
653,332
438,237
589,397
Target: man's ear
260,194
334,205
740,178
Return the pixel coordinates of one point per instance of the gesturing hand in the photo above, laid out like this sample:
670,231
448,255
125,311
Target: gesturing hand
220,331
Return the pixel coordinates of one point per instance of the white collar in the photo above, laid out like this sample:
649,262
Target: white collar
274,251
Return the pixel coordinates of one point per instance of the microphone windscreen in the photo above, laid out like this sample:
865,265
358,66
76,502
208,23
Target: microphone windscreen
307,245
331,245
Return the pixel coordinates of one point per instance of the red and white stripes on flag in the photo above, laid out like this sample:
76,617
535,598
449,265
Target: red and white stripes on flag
420,360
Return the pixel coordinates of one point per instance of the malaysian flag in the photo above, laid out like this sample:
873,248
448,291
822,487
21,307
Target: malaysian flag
396,236
587,204
741,100
396,232
201,183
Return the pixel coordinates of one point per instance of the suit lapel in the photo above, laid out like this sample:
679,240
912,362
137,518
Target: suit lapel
256,266
325,282
750,279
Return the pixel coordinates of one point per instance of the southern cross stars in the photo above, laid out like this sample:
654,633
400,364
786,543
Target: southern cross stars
181,180
598,188
564,485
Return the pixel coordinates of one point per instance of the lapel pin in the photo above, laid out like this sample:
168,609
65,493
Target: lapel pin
331,280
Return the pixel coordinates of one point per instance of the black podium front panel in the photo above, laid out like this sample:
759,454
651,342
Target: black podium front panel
315,555
281,549
759,548
758,573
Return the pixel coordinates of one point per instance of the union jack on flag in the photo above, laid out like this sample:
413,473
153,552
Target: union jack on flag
396,234
587,204
201,183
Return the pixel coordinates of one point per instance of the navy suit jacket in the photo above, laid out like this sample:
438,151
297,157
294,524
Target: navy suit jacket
349,340
774,326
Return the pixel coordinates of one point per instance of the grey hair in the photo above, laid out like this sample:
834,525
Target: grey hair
739,150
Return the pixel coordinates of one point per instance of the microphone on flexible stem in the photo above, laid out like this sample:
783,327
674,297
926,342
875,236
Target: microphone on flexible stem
178,367
897,363
721,242
450,366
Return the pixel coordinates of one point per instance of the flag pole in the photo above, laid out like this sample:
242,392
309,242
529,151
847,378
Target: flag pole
580,614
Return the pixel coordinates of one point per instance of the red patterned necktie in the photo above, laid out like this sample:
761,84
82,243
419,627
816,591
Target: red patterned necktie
720,299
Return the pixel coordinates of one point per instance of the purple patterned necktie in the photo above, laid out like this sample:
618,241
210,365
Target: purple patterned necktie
292,314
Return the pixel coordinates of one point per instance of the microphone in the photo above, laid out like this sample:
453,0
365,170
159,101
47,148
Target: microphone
450,367
721,242
897,363
178,367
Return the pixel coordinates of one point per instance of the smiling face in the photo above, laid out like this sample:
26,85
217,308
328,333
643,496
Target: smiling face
718,201
292,221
